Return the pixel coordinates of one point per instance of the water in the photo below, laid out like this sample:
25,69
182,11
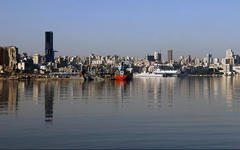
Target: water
191,112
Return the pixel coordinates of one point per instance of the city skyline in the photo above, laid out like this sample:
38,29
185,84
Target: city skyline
120,74
125,28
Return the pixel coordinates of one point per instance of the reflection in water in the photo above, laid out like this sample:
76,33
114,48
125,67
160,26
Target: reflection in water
36,91
121,86
158,111
228,83
170,85
154,93
8,96
49,95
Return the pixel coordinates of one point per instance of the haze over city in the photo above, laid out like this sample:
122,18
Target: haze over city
133,28
120,74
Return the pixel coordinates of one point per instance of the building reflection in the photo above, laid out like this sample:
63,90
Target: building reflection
162,91
155,93
149,90
216,84
170,85
8,96
159,91
207,88
184,87
49,96
121,86
227,84
36,91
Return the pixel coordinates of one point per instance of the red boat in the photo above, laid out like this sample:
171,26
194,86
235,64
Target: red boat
123,76
120,77
122,73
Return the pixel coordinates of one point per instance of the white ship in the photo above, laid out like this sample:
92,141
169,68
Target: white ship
159,73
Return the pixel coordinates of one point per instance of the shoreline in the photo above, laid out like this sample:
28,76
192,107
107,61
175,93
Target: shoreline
45,77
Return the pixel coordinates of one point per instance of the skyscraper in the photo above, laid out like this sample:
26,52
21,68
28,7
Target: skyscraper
170,55
209,58
229,53
157,56
49,52
36,58
8,58
150,58
229,59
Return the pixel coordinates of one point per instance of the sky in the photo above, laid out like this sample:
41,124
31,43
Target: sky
122,27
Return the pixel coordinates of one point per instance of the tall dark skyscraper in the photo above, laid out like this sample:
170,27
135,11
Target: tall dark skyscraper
170,55
49,52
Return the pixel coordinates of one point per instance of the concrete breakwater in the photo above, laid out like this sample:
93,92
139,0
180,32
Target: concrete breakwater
48,77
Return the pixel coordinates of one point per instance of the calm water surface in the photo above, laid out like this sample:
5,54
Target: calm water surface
192,112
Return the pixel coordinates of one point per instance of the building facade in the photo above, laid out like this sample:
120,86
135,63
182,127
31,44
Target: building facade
158,57
49,52
170,55
8,59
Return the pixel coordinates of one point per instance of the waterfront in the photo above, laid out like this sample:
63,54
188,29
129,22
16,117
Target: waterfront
189,112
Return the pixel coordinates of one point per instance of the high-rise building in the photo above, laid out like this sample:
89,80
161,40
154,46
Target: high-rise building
229,59
229,53
188,60
157,57
170,55
209,58
8,58
36,59
150,58
197,61
49,52
216,61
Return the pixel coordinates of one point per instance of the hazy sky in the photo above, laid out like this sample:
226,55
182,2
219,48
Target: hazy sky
123,27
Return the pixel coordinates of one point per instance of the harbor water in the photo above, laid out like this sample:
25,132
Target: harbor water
144,113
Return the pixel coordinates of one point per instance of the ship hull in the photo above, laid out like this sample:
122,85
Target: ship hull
158,73
122,77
